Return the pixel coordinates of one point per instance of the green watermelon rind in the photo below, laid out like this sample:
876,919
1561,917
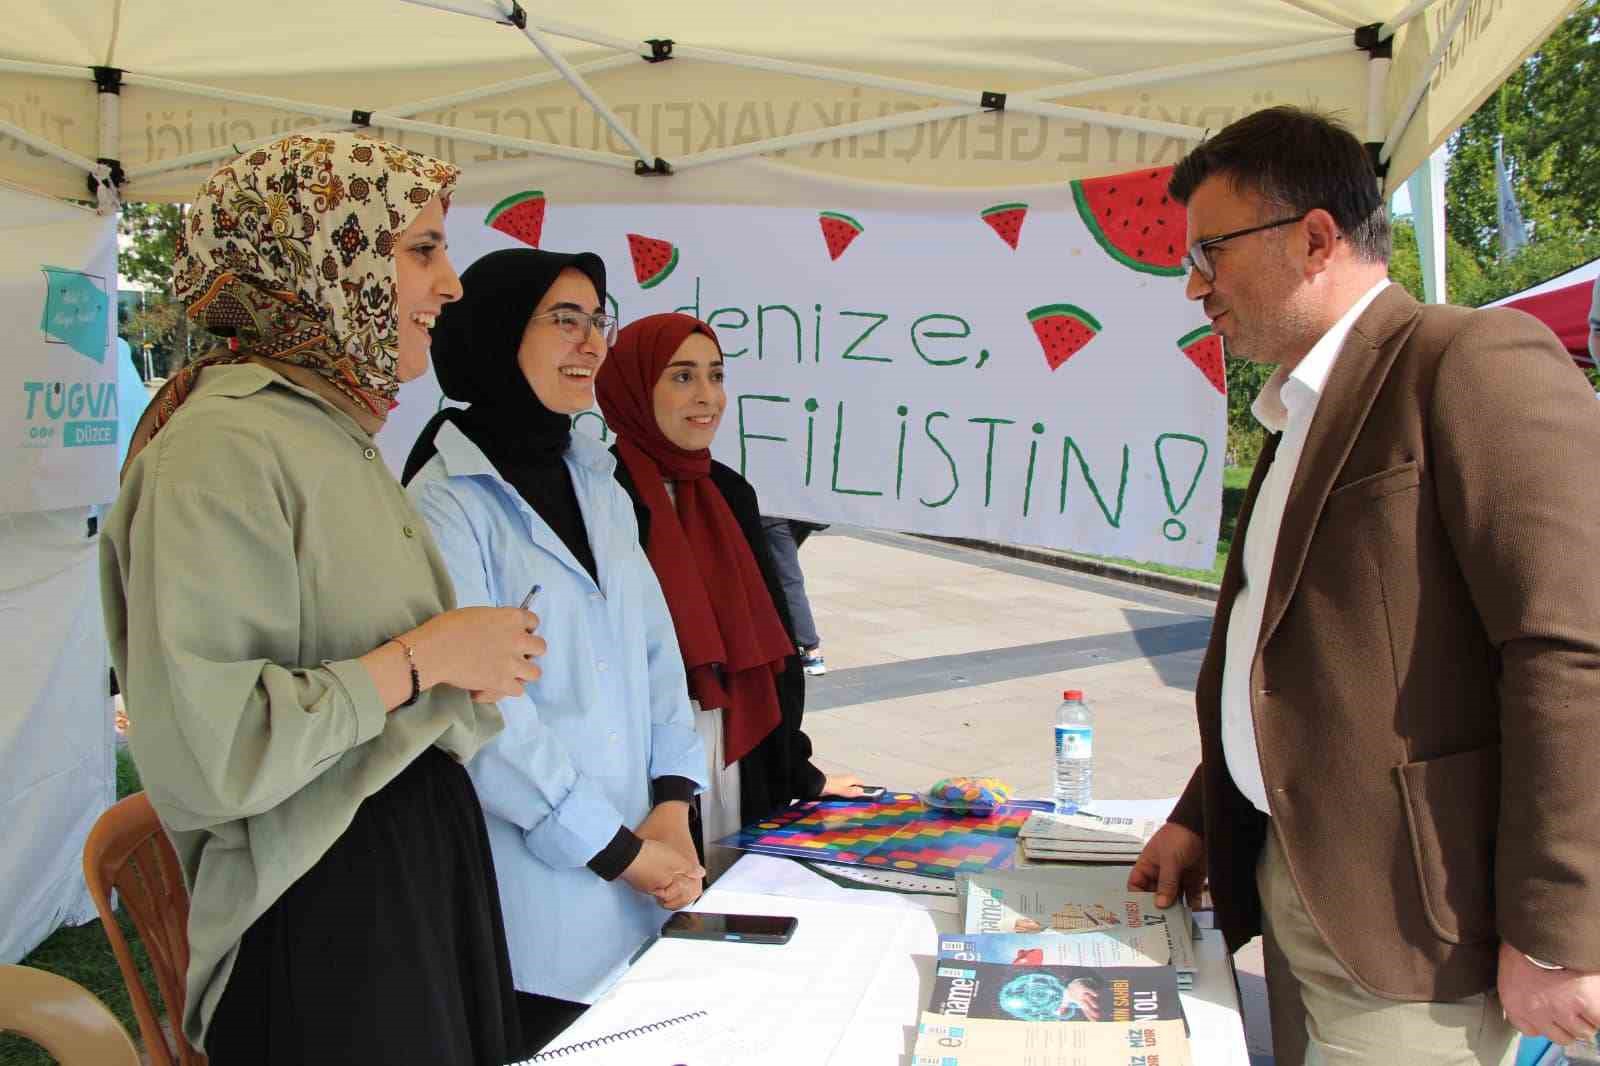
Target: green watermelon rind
509,202
1087,214
1197,335
1068,311
997,208
859,228
661,275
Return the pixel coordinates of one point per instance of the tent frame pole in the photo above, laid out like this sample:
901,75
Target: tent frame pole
1339,45
519,18
50,148
380,119
1414,98
1390,28
405,111
583,89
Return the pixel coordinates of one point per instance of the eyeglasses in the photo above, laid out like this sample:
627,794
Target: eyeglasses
575,325
1198,261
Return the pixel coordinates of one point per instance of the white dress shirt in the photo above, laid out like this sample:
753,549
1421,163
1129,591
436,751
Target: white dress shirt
1286,405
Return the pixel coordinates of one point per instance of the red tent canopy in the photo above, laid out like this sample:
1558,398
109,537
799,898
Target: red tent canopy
1563,304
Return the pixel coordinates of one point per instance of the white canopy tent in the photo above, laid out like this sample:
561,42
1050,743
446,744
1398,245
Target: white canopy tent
707,101
925,92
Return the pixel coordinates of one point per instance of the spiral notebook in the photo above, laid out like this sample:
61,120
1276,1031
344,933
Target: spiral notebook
596,1049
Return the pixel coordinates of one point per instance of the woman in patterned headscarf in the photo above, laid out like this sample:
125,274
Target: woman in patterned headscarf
301,695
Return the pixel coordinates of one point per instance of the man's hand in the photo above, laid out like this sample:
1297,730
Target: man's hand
1173,860
1561,1005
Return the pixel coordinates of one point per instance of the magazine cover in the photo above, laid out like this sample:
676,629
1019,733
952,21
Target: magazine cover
963,989
1029,901
1135,947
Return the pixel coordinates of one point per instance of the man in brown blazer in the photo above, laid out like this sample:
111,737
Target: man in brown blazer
1399,705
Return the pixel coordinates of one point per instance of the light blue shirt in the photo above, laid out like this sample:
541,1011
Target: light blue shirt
609,713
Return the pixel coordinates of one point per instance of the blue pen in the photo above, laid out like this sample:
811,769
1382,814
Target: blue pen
526,600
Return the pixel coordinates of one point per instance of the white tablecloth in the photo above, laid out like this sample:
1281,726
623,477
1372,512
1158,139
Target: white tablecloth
845,991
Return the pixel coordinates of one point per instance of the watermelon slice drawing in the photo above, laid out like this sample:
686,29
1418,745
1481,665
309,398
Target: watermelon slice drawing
1134,220
653,260
1204,349
1063,330
1006,220
520,216
838,230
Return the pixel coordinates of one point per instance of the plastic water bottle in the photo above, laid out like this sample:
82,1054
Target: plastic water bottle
1074,752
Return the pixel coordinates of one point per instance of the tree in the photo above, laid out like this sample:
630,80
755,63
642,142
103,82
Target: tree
1547,111
152,243
146,256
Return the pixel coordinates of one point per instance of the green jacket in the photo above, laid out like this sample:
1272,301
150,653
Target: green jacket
259,547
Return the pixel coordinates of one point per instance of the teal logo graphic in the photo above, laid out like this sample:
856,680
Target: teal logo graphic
75,414
75,309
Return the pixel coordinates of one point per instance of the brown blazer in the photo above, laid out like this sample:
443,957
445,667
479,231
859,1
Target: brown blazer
1426,690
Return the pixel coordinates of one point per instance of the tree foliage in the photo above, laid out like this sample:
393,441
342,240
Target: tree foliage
1548,112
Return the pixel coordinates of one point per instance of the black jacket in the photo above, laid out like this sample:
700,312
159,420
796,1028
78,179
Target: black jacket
778,770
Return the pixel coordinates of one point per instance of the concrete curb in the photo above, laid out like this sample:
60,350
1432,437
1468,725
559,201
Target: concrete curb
1183,586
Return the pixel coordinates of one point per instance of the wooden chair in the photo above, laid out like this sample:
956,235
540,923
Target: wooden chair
128,852
62,1017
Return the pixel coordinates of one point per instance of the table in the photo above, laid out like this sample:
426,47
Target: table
845,991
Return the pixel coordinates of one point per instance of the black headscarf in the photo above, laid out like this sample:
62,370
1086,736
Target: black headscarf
475,343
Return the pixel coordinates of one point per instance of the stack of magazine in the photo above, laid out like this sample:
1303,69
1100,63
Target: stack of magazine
1044,947
1082,837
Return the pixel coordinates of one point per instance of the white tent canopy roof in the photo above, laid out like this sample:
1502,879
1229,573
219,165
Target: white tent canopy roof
1092,87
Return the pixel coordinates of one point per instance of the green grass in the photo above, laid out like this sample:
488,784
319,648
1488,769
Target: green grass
1235,479
84,955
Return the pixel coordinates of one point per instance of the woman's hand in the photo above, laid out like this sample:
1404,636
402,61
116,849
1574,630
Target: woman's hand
847,786
489,651
668,824
662,872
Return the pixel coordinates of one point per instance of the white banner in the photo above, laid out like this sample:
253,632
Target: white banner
918,372
58,425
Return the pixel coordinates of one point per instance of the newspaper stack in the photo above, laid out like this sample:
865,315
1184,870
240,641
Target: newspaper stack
1081,837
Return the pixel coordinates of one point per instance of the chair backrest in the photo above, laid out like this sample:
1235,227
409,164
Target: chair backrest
62,1017
128,852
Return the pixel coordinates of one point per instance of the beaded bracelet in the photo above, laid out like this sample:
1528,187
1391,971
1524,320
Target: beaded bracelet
416,678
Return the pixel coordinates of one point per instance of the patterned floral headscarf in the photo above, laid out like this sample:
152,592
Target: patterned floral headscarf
289,250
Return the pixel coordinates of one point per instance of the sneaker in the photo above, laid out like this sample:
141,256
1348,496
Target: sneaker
813,664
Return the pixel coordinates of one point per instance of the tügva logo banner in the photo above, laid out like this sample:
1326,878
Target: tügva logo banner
71,414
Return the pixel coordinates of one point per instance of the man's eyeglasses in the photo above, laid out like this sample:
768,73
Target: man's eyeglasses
575,325
1198,261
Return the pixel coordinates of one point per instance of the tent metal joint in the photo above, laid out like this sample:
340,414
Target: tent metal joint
1370,39
108,79
518,17
105,184
660,49
660,168
1380,165
992,101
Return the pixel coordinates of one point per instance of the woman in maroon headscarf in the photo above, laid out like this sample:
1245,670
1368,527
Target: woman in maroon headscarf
661,392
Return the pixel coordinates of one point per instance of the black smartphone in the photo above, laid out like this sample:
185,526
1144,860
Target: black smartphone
871,792
739,928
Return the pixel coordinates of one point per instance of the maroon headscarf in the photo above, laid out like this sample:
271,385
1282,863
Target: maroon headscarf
733,641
